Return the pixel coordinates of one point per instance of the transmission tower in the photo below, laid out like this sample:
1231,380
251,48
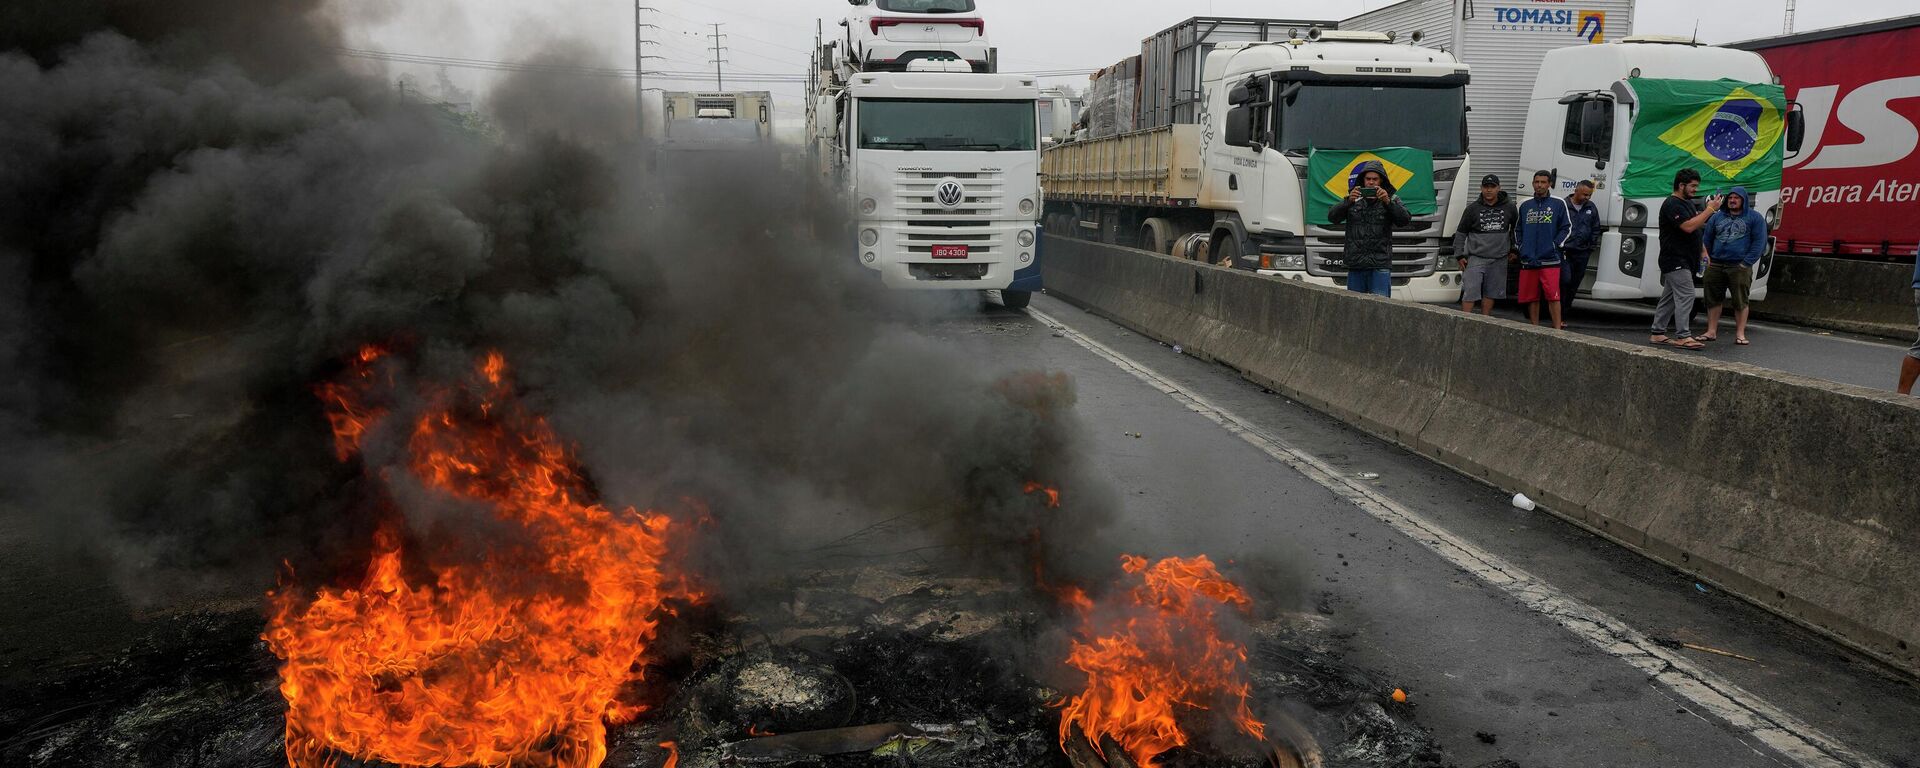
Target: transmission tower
1788,29
719,57
640,56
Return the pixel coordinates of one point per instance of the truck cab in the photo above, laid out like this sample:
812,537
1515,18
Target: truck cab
944,171
1580,125
1268,106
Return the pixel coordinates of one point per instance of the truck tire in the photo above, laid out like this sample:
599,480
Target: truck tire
1156,234
1226,250
1016,299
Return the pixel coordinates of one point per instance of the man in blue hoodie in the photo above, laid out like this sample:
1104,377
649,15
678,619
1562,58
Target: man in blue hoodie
1736,239
1545,225
1582,241
1910,367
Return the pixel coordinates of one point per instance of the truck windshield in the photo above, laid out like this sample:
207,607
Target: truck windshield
952,126
927,6
1373,116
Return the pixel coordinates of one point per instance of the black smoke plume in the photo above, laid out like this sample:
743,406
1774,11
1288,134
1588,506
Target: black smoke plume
202,214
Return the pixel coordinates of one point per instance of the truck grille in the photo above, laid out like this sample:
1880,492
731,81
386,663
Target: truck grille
929,224
986,195
1416,248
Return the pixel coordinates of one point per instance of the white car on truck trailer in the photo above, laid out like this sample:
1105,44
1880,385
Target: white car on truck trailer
1580,126
1234,188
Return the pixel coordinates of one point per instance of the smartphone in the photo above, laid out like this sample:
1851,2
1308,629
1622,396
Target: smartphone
1366,192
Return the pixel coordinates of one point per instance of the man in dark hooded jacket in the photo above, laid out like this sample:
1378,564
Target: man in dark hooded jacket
1370,221
1736,240
1484,242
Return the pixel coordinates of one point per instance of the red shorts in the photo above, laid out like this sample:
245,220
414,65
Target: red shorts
1536,283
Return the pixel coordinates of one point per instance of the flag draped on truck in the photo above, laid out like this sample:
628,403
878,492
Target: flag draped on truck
1731,132
1330,174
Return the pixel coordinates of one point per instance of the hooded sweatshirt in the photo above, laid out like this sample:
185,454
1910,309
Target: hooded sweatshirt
1486,232
1370,223
1545,225
1737,238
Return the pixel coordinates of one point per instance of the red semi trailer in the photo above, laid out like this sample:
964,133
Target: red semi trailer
1854,189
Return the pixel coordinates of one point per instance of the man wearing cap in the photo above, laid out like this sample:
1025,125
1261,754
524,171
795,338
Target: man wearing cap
1483,243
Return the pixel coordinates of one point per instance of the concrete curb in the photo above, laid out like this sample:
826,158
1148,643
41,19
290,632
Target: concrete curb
1808,504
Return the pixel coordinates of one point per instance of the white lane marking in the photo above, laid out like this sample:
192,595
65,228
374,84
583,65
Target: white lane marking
1745,712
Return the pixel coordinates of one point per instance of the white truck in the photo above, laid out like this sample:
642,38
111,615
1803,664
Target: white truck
1231,187
941,168
703,120
1580,126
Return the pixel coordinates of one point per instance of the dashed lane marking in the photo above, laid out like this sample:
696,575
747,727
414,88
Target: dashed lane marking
1746,713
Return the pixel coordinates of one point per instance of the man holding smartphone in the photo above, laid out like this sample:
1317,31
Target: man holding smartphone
1680,254
1370,213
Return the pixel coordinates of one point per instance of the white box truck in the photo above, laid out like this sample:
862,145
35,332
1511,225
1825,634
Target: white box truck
941,167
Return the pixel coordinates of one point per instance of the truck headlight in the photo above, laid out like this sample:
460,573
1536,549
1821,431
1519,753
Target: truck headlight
1026,207
1284,262
1446,174
869,205
1025,237
1026,258
867,257
869,237
1635,215
1629,246
1773,218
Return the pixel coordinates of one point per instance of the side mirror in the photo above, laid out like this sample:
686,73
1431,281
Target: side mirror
1239,127
1239,95
1796,128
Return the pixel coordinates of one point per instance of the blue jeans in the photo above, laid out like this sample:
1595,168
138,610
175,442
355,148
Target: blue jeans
1376,281
1573,269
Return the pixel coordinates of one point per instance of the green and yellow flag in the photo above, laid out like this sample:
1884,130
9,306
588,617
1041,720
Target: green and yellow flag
1330,174
1729,131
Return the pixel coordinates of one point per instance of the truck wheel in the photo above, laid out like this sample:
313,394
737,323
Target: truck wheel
1156,234
1016,299
1226,250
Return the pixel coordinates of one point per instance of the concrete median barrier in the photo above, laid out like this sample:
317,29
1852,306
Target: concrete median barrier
1841,294
1800,495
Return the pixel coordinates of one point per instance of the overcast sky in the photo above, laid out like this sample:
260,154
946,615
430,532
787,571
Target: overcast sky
773,36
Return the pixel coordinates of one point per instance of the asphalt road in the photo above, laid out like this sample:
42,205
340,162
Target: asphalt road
1865,361
1478,653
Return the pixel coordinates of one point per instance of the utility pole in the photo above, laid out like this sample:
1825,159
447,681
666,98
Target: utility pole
640,42
719,50
1788,30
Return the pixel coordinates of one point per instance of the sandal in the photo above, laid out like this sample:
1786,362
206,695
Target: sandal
1690,344
1706,339
1742,341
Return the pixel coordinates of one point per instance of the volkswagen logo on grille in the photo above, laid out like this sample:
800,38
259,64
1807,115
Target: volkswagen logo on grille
950,194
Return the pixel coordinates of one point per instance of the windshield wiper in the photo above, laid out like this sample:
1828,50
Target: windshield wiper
903,144
989,147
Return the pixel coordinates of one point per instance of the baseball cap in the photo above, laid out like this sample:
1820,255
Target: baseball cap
1490,180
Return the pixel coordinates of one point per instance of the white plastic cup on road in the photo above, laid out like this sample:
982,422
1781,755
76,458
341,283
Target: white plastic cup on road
1520,501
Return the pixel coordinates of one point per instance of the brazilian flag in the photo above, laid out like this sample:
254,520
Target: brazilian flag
1729,131
1330,174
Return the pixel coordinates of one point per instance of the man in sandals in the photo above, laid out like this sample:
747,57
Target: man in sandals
1736,239
1680,254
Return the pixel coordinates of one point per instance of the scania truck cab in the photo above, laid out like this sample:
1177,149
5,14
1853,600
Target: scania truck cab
1271,105
1580,125
944,171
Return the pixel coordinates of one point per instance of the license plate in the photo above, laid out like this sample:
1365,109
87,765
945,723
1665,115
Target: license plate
950,251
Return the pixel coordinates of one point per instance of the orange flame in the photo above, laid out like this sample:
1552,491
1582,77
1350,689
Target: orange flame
1162,655
755,731
1052,494
673,754
516,659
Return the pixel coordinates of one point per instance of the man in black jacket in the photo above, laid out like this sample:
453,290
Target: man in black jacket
1483,243
1370,218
